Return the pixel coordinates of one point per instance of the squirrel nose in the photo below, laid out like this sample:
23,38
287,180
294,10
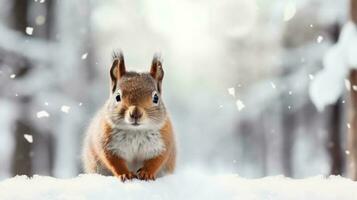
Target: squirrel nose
135,113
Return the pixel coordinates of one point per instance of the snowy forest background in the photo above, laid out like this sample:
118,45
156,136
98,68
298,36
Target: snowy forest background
237,81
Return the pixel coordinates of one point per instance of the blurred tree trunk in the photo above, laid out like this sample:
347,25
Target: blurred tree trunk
334,145
352,132
288,127
22,160
22,163
43,159
35,157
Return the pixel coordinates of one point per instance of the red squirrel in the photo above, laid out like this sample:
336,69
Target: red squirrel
131,136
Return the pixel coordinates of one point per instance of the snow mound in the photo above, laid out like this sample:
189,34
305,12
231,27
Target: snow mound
187,185
327,86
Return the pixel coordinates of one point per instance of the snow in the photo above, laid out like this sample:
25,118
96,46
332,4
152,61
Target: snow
232,91
348,84
84,56
289,11
327,86
28,137
273,85
190,184
12,76
319,39
65,109
240,105
29,30
42,114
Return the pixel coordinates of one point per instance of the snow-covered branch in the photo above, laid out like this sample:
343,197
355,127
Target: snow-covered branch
36,49
328,84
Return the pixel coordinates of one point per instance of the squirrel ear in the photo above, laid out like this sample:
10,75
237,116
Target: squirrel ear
156,70
117,70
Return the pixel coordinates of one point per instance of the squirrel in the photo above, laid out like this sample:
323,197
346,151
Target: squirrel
131,136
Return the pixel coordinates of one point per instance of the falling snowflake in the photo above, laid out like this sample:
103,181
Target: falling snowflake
273,85
311,77
84,56
80,104
42,114
28,137
12,76
348,84
65,108
240,105
319,39
289,11
232,91
290,92
29,30
348,125
347,152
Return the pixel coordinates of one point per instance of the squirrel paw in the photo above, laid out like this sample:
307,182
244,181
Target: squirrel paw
145,175
127,176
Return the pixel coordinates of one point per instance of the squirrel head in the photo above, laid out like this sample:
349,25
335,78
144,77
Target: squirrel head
135,99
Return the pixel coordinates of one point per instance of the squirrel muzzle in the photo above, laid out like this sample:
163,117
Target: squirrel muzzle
135,115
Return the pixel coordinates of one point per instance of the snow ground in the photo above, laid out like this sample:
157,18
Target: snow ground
183,185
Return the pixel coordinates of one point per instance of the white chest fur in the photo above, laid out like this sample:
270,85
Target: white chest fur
136,145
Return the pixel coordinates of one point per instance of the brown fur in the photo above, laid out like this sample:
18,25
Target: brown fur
167,159
136,91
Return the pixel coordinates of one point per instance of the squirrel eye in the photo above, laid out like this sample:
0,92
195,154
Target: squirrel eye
118,97
155,98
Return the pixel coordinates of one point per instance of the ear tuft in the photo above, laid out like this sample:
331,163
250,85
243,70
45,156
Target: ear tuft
118,54
118,68
156,70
